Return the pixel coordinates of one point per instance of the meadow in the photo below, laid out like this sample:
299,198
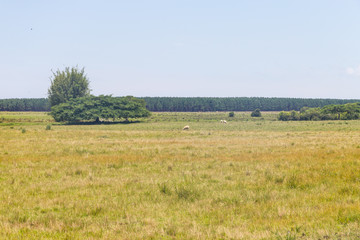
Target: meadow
253,178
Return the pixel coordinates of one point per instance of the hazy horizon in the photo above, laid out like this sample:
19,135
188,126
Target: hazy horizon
278,48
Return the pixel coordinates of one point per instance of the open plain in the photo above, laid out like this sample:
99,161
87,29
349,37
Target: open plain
252,178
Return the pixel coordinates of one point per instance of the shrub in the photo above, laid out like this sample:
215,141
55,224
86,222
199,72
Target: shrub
231,114
48,127
284,116
256,113
294,115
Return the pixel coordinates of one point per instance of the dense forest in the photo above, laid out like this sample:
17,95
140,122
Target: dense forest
25,104
193,104
203,104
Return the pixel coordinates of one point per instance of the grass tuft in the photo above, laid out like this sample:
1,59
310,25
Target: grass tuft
164,189
186,191
292,182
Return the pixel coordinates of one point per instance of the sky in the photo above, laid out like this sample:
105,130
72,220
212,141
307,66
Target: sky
184,48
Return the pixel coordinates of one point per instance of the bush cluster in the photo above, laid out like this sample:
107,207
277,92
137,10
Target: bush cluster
256,113
348,111
101,107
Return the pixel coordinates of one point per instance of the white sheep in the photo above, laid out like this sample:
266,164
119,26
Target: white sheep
186,127
223,121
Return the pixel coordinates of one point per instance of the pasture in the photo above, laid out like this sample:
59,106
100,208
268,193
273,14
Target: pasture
248,179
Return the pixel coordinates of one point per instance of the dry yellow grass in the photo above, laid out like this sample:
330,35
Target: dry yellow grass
249,179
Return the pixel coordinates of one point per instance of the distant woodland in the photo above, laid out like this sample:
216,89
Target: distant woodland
25,104
193,104
203,104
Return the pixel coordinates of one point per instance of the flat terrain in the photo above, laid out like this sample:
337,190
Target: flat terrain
248,179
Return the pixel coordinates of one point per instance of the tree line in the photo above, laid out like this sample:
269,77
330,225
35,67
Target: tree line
207,104
194,104
25,104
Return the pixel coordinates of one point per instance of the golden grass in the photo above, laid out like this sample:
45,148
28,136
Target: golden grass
249,179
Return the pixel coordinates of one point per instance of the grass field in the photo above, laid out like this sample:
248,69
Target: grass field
248,179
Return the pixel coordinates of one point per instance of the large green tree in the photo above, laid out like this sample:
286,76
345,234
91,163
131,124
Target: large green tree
68,84
102,107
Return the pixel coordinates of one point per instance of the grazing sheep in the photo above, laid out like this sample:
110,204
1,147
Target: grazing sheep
186,127
223,121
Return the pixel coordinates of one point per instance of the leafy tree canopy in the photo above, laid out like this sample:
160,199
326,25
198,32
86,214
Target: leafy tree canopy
68,84
102,107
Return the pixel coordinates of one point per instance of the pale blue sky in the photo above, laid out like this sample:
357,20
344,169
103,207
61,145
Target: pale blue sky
266,48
